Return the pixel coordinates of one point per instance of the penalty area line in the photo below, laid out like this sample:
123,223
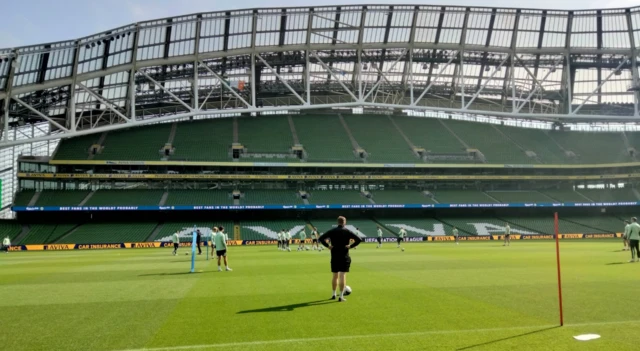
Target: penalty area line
362,336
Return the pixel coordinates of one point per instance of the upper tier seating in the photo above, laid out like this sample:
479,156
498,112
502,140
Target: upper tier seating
429,134
203,140
519,196
495,146
327,197
462,197
61,197
199,197
9,228
401,197
130,197
324,139
148,141
270,197
380,139
609,195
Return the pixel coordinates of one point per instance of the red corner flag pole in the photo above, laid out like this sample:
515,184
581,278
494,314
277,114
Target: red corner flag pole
555,222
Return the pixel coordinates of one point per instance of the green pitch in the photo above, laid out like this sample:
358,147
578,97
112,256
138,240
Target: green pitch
433,296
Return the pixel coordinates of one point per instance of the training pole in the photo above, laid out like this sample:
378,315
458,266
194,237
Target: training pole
555,223
193,250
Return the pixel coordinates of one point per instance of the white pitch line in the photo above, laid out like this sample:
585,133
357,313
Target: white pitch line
430,332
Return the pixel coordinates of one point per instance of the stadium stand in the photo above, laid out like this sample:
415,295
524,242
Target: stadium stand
169,228
267,230
380,139
461,197
199,197
76,148
130,197
107,233
366,226
270,197
333,146
495,146
609,195
400,197
23,197
45,233
593,147
429,134
204,140
476,225
519,196
148,141
545,225
599,224
9,228
565,195
61,197
538,141
346,197
267,134
417,227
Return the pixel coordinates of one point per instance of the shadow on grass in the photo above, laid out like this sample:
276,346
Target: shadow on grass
288,308
174,273
614,263
508,338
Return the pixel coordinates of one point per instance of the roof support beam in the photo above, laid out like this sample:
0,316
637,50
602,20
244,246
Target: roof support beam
634,63
331,73
40,114
282,80
622,63
385,40
436,41
543,22
107,103
485,83
375,86
223,83
492,20
438,75
539,85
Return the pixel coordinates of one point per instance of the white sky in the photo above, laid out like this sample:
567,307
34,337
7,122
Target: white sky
27,22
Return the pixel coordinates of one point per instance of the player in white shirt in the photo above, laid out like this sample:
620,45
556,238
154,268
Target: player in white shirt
280,235
287,240
507,235
625,236
314,239
401,235
303,237
455,234
379,238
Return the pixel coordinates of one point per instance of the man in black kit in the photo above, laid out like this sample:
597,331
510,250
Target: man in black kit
340,245
198,239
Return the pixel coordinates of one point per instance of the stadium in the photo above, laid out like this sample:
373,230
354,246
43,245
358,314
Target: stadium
419,118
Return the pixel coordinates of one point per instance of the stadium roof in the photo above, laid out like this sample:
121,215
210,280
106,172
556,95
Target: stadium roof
529,63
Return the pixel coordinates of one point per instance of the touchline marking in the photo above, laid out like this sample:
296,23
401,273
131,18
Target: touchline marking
431,332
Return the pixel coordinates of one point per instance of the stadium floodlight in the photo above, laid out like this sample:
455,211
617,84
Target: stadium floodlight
425,66
365,67
435,65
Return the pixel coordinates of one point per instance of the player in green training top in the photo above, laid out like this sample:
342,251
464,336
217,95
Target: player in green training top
625,237
455,234
176,243
220,246
314,239
280,234
379,238
401,235
634,240
507,235
303,237
6,244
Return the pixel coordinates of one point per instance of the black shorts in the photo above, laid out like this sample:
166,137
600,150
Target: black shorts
400,240
340,265
221,253
507,236
314,240
176,246
379,240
